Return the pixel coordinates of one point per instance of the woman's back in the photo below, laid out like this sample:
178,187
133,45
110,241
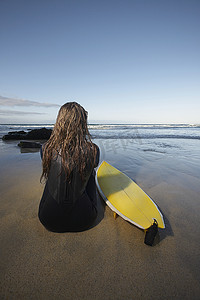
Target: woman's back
69,199
70,190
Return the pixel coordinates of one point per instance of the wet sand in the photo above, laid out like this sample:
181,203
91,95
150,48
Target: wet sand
109,261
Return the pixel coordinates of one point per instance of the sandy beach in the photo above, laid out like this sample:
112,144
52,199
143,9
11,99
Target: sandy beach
109,261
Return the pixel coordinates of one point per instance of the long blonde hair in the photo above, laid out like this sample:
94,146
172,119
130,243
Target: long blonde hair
71,139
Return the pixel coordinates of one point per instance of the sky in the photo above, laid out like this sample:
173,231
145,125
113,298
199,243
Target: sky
128,61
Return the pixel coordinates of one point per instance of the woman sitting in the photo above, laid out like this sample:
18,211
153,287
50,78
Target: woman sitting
69,158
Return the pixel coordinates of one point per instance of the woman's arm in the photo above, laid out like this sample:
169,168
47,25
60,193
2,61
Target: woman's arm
41,150
97,157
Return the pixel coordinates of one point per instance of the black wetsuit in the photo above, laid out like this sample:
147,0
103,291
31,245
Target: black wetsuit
69,206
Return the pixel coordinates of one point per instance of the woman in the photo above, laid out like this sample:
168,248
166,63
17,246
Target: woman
69,158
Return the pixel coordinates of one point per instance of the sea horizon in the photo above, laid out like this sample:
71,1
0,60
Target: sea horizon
111,123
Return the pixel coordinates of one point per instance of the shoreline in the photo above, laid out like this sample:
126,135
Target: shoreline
109,261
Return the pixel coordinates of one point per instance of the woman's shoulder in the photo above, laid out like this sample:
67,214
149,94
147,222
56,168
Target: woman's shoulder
95,146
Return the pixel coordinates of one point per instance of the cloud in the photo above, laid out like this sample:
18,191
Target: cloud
4,101
17,112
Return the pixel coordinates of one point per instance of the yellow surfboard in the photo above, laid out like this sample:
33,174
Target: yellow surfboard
126,198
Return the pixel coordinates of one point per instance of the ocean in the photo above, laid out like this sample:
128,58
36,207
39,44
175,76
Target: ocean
160,138
124,131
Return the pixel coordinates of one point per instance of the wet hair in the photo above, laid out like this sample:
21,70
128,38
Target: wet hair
71,139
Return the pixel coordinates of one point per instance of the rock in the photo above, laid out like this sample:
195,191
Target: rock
25,144
17,132
14,136
39,134
35,134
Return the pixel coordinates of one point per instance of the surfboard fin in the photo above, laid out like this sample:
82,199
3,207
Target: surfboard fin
115,215
151,233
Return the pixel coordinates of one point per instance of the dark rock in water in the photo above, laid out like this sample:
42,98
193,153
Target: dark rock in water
39,134
25,144
14,136
17,132
35,134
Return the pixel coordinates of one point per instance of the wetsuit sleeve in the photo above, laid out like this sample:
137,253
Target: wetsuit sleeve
41,150
97,157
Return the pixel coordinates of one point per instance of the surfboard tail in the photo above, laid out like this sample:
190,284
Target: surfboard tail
151,233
